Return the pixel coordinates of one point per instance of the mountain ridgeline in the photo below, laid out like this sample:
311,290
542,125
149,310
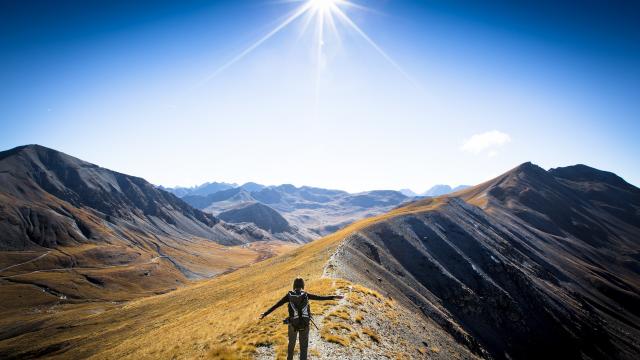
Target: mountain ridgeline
50,199
533,264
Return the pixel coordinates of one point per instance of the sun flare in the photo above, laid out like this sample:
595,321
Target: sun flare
325,15
323,4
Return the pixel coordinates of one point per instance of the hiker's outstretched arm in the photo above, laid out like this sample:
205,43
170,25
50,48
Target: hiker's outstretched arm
321,297
277,305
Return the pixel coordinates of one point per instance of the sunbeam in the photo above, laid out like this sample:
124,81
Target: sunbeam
366,37
322,11
296,14
319,44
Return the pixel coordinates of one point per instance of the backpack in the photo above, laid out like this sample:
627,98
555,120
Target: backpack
299,312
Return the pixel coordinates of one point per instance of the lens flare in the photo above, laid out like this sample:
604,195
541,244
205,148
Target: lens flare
323,4
325,13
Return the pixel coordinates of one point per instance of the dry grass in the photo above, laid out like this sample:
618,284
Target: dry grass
337,332
339,313
359,317
359,291
372,334
221,313
336,339
216,318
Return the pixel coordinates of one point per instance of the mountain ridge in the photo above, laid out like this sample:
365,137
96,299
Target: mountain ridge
523,251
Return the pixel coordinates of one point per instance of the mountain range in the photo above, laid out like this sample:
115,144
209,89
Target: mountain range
532,264
91,226
310,212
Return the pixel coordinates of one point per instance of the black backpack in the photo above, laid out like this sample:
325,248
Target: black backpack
299,312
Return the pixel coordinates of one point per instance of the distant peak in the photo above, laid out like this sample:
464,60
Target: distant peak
252,186
408,192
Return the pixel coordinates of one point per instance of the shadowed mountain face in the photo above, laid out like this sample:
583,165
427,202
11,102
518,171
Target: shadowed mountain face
263,216
533,264
49,198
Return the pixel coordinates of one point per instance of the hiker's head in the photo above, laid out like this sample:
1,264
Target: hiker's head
298,284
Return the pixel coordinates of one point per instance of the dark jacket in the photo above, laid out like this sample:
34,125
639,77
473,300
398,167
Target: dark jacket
285,300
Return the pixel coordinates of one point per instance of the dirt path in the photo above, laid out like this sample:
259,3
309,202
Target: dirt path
318,348
155,259
26,262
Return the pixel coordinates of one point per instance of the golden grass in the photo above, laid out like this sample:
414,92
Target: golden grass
372,334
355,298
360,290
221,313
339,313
337,332
359,317
215,319
336,339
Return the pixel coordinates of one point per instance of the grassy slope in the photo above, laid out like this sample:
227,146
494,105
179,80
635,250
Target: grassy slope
69,271
215,318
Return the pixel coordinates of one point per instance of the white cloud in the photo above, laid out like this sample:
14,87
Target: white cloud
488,141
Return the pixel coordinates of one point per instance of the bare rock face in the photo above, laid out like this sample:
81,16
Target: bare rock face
48,198
533,264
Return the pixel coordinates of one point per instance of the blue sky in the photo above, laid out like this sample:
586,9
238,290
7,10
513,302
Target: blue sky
466,91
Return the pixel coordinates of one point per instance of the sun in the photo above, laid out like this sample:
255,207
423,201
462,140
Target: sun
323,4
325,14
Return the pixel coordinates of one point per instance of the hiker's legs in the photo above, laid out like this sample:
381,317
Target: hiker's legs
304,343
292,342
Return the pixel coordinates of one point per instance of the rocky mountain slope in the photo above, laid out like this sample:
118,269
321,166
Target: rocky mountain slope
73,229
532,264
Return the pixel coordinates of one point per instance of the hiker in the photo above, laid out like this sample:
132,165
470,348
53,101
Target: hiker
299,315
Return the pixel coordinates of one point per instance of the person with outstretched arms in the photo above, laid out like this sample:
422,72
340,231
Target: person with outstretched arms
299,315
